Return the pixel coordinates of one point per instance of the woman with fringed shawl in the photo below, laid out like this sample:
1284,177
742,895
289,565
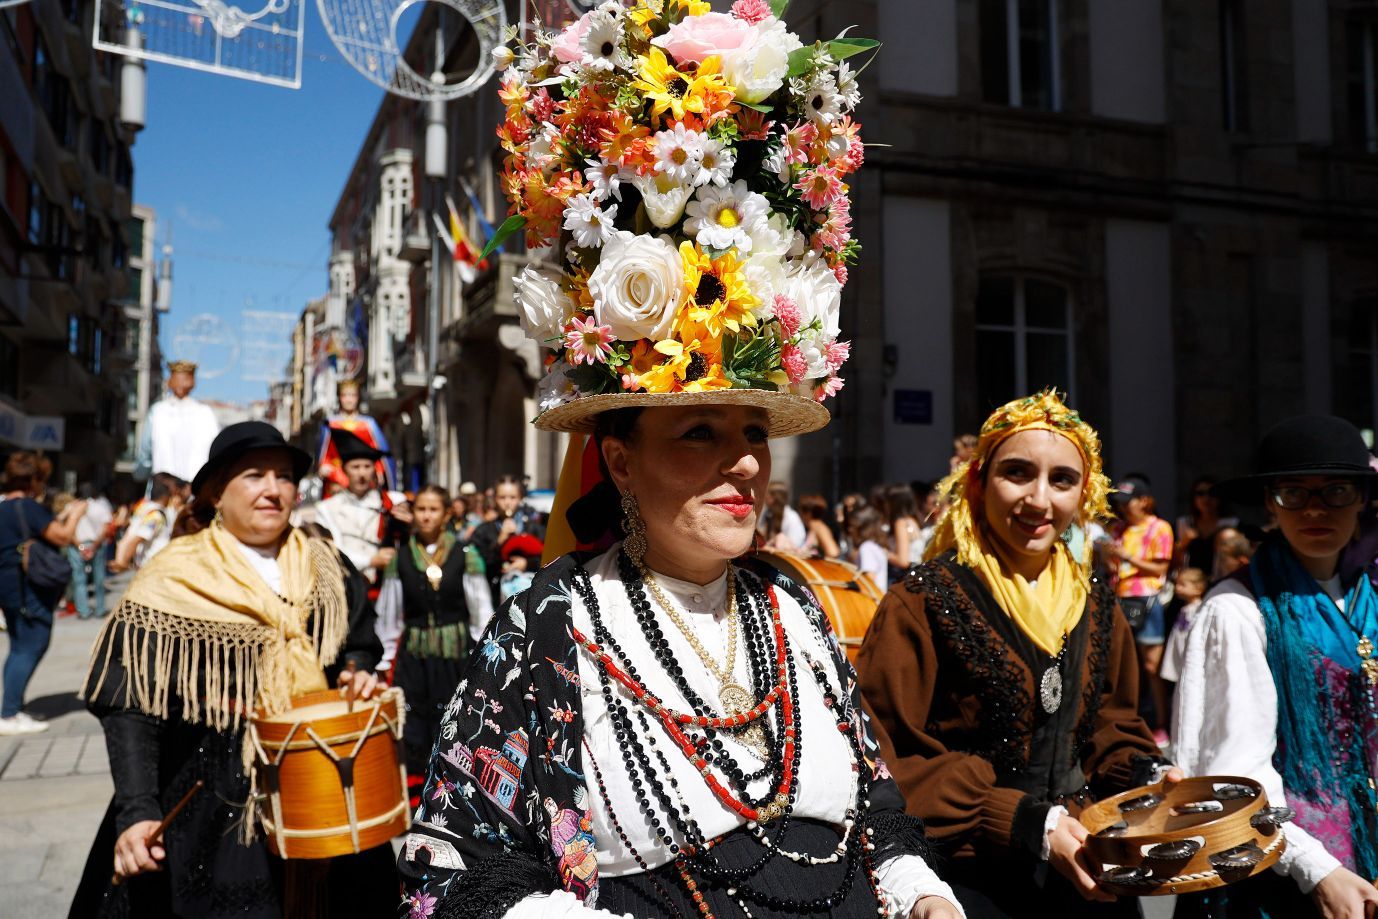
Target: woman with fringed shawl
242,611
1280,681
1002,676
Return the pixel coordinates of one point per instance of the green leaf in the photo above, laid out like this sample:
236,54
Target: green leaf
593,379
843,48
777,8
758,106
800,60
509,226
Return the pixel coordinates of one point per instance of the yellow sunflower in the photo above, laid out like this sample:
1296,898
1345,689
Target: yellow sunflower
693,363
702,92
720,297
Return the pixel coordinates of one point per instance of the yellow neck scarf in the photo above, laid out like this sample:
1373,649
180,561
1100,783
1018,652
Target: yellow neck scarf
1045,610
199,623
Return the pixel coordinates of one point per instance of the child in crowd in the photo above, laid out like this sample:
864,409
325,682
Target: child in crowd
867,533
521,556
1188,590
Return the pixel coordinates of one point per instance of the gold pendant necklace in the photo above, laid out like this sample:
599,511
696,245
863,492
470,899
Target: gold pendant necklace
734,698
433,570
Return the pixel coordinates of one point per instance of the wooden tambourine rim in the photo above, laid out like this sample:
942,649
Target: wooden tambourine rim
1223,830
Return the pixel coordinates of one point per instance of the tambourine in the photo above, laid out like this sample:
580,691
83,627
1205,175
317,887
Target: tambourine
1200,833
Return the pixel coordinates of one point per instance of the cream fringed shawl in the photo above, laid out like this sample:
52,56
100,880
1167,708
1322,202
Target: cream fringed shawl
198,623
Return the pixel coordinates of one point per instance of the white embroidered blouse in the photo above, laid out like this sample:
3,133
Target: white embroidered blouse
825,784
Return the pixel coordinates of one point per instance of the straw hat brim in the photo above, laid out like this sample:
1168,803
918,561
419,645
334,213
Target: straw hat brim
789,414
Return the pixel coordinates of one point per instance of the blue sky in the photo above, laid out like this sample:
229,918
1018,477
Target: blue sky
247,176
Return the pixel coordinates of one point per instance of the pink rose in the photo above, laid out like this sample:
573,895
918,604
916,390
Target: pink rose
568,45
698,37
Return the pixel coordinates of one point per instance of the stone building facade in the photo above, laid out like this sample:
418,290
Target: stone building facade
65,180
1169,210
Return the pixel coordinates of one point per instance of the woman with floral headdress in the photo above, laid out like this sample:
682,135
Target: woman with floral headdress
664,726
1003,678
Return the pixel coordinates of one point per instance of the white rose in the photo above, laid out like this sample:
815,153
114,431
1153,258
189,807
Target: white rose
759,67
542,307
664,198
637,286
819,296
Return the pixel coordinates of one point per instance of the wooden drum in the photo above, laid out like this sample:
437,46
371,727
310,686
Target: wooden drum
848,597
331,781
1201,833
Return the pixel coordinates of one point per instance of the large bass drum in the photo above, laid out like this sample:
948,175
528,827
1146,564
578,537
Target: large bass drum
848,597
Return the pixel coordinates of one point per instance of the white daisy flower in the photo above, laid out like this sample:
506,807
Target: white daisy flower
715,163
590,224
603,44
721,218
847,86
606,179
822,103
678,153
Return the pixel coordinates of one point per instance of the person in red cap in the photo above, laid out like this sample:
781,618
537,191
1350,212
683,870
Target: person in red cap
521,557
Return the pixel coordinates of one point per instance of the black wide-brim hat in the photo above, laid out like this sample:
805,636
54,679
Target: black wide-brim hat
1304,445
351,446
244,437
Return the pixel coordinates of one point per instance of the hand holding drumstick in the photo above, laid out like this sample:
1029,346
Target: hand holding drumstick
356,684
137,851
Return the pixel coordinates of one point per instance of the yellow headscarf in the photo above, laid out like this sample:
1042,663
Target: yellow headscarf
1050,609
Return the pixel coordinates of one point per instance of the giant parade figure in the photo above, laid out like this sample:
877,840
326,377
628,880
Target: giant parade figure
364,427
177,436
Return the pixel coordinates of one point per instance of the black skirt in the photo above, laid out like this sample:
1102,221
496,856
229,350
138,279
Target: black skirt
662,893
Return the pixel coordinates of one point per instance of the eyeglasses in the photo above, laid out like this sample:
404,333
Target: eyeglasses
1297,497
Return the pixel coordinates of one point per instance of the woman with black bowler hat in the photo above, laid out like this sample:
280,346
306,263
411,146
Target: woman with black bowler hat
1280,678
242,611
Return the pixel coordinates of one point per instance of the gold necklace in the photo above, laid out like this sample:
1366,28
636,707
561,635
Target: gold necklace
734,697
433,570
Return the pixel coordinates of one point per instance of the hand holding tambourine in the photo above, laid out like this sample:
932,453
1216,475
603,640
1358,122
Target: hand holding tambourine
1199,833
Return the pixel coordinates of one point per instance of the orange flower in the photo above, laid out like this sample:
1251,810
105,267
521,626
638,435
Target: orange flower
627,143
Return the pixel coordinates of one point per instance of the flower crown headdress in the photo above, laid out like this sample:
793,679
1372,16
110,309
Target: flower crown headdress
693,166
957,527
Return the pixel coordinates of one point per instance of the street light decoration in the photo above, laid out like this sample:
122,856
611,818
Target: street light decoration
262,43
365,33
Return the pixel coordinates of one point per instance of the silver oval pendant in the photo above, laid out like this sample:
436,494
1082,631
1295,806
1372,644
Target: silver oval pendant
1050,689
433,572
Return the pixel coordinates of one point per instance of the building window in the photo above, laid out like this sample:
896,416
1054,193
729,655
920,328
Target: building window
1362,100
1023,339
1359,379
1020,66
1233,54
9,366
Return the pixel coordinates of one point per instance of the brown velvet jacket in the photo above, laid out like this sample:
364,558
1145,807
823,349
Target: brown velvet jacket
952,685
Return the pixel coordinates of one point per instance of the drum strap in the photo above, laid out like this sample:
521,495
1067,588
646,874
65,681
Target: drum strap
345,766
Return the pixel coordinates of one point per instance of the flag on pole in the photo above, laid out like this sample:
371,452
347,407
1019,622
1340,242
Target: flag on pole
478,210
465,267
465,250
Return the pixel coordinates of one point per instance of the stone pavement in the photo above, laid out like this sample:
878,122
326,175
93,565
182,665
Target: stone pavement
54,786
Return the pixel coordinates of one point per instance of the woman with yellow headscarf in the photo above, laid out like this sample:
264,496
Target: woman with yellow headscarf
1002,677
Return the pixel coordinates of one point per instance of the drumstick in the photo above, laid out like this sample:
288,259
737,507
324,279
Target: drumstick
166,821
351,667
